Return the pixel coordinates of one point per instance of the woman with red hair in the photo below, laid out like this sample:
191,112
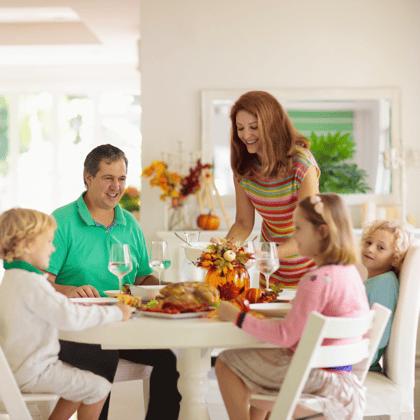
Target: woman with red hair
273,171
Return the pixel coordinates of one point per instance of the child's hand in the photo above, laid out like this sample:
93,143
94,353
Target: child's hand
227,311
126,311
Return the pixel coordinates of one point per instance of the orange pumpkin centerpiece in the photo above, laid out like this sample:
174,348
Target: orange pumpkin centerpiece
226,270
208,221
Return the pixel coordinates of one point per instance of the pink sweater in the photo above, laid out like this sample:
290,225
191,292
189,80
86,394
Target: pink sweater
332,290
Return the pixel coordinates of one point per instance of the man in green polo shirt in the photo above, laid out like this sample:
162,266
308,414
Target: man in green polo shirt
79,268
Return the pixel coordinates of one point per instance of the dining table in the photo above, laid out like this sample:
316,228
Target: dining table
191,339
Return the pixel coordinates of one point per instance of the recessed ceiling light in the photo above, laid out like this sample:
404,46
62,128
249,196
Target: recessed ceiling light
38,14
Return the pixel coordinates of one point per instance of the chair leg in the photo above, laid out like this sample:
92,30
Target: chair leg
146,387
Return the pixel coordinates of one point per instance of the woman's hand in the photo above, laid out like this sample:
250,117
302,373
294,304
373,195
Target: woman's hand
227,311
126,311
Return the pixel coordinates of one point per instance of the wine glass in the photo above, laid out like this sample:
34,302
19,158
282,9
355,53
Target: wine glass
267,261
159,257
120,262
250,249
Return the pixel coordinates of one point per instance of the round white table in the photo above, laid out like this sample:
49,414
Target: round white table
192,341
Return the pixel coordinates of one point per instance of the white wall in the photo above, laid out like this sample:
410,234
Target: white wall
189,45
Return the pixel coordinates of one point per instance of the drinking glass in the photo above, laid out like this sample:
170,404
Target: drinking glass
159,257
192,236
250,248
120,262
267,261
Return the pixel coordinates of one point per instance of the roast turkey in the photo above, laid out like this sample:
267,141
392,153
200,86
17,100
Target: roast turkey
189,292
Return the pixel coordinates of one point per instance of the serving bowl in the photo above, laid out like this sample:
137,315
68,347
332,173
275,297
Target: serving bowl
146,292
193,252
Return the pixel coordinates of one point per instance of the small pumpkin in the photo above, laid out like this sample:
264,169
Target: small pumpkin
256,295
208,221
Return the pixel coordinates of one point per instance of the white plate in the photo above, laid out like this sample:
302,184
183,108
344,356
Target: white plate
286,294
98,301
112,293
271,308
173,316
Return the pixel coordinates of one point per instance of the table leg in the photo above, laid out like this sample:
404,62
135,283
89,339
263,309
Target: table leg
193,384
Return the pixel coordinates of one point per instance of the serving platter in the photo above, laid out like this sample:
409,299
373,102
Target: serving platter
173,316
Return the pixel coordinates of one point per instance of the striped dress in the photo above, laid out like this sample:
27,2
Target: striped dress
275,200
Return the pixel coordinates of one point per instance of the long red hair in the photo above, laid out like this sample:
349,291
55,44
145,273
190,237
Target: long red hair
277,134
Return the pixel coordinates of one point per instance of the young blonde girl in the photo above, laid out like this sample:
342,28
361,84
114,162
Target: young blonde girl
384,246
31,312
323,232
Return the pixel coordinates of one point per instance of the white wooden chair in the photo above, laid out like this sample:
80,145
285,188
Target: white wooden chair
311,354
14,401
392,392
15,404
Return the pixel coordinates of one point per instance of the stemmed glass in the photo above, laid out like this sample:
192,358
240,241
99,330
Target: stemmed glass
159,257
120,262
250,249
267,261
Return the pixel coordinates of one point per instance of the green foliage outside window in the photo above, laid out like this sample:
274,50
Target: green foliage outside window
337,174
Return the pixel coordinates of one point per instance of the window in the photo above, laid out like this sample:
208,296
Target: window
45,137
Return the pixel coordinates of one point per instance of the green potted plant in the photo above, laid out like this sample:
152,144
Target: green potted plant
338,175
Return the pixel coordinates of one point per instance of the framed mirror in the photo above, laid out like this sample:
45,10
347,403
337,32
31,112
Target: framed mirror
370,117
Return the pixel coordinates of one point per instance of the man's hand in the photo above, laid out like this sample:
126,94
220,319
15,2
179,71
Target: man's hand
83,292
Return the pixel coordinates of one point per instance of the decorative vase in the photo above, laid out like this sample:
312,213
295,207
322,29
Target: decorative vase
231,284
181,214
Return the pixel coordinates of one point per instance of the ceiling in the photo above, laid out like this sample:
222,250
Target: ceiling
95,32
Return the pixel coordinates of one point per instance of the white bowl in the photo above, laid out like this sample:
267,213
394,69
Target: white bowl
147,292
193,253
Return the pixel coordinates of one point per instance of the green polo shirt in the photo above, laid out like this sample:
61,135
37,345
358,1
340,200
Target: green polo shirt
83,247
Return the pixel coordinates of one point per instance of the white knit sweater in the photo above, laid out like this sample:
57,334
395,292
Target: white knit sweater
31,313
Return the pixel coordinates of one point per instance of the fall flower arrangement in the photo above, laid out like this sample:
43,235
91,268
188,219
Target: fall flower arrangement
173,185
131,199
223,256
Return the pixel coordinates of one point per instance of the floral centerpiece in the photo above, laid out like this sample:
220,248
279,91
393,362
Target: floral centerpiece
225,265
174,186
130,200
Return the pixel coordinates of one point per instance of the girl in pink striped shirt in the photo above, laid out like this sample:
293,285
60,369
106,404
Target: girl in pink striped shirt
323,232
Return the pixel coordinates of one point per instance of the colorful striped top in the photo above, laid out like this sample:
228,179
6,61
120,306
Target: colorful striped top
275,200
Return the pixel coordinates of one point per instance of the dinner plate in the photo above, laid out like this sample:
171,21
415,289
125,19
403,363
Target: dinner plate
173,316
98,300
286,294
112,293
271,308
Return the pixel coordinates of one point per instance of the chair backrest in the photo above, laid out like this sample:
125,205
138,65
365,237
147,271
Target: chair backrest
10,393
399,358
311,354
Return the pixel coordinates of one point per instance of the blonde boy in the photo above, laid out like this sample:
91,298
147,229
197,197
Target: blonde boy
384,245
31,312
